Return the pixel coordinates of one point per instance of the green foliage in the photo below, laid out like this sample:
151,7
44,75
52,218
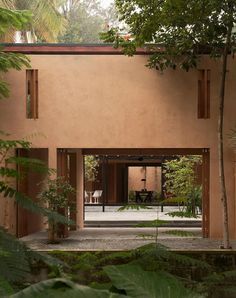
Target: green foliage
60,287
180,175
133,207
5,288
14,266
56,193
85,19
180,181
131,196
176,32
182,214
10,20
179,233
221,285
10,61
13,19
46,23
152,223
10,171
91,164
139,283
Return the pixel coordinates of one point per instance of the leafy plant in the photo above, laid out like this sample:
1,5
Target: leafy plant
56,194
181,183
91,164
62,288
139,283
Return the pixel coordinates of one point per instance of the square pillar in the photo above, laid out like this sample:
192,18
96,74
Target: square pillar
52,160
80,190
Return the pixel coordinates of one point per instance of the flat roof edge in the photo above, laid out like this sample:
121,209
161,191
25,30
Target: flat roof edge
67,49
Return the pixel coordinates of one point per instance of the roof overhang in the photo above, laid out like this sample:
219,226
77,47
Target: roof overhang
67,49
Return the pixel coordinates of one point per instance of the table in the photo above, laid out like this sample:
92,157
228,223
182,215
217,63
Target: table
143,196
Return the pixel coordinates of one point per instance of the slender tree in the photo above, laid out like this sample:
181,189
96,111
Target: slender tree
85,20
183,29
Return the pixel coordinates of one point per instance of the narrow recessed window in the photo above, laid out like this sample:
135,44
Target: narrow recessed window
32,93
204,93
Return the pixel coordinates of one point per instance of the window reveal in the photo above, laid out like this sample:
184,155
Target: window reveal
32,93
204,93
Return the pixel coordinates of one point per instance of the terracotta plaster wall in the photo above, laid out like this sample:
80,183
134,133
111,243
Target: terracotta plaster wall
92,101
153,178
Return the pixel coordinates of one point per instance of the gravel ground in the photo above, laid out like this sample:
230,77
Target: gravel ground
113,239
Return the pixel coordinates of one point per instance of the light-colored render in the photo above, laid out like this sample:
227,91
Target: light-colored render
92,100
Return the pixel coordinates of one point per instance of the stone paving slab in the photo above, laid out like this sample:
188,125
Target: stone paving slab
94,213
118,239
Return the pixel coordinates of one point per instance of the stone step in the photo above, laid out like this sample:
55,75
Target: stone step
133,223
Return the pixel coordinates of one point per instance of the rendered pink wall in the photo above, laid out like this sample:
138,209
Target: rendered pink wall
92,101
153,178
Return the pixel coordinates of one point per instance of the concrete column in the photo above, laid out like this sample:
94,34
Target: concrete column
235,195
80,190
52,160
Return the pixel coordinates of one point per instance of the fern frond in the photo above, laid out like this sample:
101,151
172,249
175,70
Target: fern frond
12,144
6,172
27,203
182,214
33,164
14,264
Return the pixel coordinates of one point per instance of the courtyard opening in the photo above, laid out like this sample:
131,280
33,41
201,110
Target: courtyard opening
137,181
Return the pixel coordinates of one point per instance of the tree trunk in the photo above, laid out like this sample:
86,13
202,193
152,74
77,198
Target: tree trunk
52,233
223,194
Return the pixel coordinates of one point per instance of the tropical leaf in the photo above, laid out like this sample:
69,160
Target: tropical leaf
60,287
139,283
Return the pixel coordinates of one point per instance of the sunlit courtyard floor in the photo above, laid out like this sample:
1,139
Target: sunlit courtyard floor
94,213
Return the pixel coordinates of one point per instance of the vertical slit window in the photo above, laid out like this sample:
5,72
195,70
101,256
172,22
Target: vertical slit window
32,93
203,93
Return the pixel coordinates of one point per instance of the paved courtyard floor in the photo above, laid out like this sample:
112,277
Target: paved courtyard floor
94,213
125,238
117,239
